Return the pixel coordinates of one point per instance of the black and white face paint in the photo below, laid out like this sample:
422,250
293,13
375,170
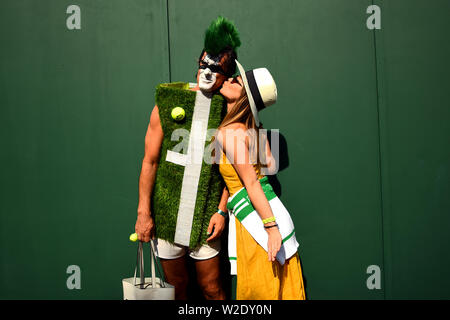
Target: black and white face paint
208,77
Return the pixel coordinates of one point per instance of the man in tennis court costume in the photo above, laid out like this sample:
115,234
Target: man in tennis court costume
182,198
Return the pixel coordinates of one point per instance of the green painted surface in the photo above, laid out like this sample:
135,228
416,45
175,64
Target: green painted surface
322,58
75,106
412,56
364,115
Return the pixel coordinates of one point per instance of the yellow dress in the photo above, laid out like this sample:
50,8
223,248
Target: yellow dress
257,277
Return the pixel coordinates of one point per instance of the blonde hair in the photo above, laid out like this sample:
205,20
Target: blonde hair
241,113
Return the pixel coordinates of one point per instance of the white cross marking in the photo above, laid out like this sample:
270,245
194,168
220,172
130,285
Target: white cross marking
192,161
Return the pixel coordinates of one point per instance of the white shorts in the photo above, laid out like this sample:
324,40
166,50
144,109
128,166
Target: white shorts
167,250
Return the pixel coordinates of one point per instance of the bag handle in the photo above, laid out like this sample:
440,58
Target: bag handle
140,263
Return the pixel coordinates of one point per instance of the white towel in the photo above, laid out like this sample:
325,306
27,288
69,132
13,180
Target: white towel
240,207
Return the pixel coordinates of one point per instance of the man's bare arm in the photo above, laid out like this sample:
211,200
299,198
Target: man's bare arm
224,200
217,221
153,141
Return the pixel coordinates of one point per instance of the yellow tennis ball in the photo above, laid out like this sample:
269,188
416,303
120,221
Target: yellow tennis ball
133,237
178,113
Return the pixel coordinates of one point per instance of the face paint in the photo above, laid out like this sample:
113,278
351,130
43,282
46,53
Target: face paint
206,80
209,60
208,72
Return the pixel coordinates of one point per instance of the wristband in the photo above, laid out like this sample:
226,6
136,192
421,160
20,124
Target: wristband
267,227
271,219
222,213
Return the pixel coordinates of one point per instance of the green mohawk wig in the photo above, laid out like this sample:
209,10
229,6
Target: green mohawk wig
221,34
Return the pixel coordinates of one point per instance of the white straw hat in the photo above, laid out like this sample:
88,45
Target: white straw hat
260,87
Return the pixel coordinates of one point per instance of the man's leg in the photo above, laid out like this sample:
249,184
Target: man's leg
208,277
175,271
173,261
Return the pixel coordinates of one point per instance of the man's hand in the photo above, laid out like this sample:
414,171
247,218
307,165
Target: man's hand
217,223
145,227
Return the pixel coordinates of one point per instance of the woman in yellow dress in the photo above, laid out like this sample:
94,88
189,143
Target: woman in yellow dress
263,249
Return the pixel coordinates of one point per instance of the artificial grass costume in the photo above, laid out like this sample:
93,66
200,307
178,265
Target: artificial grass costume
180,220
169,177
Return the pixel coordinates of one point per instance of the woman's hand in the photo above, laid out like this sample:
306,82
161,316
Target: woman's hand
274,243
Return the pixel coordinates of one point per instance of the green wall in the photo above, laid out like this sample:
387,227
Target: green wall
414,113
364,114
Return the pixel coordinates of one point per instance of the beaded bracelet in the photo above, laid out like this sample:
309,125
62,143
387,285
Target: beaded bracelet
271,219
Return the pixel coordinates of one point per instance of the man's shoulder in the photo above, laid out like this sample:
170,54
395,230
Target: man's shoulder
175,88
179,85
175,93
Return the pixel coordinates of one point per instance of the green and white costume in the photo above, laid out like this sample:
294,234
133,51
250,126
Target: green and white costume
187,190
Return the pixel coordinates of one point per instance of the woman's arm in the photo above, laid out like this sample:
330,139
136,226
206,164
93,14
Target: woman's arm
236,150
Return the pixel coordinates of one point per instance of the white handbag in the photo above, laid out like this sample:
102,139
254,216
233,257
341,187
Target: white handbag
148,288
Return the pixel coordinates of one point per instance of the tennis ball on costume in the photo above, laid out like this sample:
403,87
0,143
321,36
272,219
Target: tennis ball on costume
133,237
178,113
